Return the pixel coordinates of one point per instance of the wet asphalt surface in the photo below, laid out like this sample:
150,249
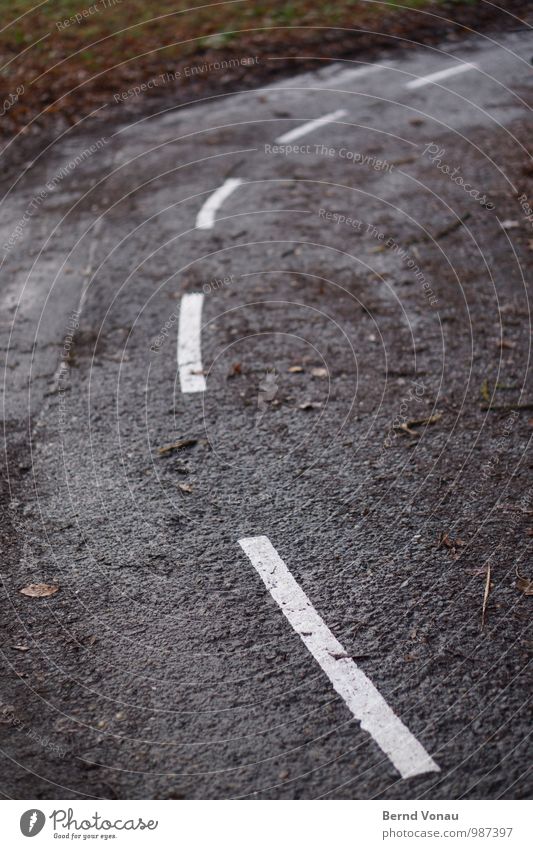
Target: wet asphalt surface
162,668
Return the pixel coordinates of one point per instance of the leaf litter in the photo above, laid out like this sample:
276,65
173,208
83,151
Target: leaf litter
523,584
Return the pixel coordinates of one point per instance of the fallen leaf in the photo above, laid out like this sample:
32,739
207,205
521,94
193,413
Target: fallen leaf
235,369
446,540
504,343
39,590
321,373
295,369
181,443
185,487
523,584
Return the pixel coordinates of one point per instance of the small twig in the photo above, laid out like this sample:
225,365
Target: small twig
485,597
406,427
453,226
181,443
508,407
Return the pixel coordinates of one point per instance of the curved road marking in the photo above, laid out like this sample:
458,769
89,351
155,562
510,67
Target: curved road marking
311,125
441,75
189,343
206,217
364,700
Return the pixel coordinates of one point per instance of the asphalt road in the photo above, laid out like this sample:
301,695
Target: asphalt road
361,310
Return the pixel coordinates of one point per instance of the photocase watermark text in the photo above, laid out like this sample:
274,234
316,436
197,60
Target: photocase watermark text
35,203
435,155
79,17
187,72
11,100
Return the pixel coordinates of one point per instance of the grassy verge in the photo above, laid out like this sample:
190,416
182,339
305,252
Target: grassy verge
67,57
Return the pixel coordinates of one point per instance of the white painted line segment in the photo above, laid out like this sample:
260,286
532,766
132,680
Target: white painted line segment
364,700
206,217
311,125
189,343
353,73
441,75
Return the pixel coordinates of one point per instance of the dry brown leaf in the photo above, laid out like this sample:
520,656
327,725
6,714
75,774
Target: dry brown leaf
523,584
39,590
446,540
321,373
295,369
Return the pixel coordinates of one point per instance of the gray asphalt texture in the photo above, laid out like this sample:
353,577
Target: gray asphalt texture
162,668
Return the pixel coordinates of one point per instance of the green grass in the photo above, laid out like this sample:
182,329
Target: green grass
118,35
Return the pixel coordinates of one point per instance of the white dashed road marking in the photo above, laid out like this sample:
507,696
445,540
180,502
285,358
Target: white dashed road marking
311,125
441,75
189,343
364,700
206,217
353,73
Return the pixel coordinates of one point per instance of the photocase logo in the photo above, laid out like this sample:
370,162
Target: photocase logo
32,822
